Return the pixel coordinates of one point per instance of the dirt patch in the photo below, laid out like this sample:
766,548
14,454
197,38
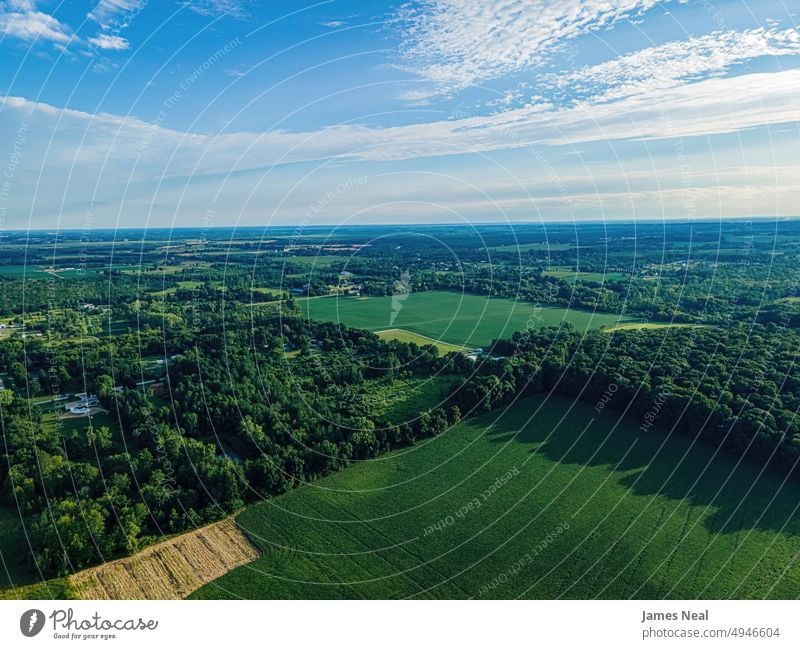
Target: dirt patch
170,570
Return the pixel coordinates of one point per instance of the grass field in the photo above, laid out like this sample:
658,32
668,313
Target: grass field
409,337
403,400
651,325
572,276
185,285
20,272
36,272
463,320
588,507
54,419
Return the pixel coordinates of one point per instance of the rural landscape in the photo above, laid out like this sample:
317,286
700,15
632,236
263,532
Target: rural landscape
507,411
399,323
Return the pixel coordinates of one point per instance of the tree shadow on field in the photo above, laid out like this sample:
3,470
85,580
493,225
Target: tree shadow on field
741,494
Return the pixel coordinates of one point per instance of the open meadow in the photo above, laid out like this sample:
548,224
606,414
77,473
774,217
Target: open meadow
461,319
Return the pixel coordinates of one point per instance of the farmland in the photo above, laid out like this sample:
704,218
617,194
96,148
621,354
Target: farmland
409,337
546,500
170,570
342,451
465,320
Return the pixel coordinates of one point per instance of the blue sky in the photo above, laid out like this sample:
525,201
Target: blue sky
235,112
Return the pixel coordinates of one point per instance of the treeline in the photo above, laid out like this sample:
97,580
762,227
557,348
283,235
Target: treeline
240,423
736,388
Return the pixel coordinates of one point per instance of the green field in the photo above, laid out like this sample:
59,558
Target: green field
571,276
184,285
20,272
409,337
459,319
593,508
37,272
651,325
403,400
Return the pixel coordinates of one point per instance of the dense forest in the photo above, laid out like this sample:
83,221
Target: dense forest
94,495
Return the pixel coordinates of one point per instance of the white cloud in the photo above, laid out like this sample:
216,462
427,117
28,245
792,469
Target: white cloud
705,108
76,153
231,8
107,42
666,66
32,25
455,44
107,11
22,5
333,24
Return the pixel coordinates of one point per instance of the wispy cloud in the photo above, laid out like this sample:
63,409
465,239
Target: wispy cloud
230,8
108,42
706,108
106,11
21,5
669,65
455,44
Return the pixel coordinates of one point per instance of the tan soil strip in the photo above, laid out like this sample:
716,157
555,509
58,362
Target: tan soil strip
170,570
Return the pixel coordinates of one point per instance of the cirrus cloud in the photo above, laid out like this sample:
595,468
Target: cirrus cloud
455,44
671,64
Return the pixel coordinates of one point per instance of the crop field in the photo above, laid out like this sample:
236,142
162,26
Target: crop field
410,337
464,320
548,500
169,570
